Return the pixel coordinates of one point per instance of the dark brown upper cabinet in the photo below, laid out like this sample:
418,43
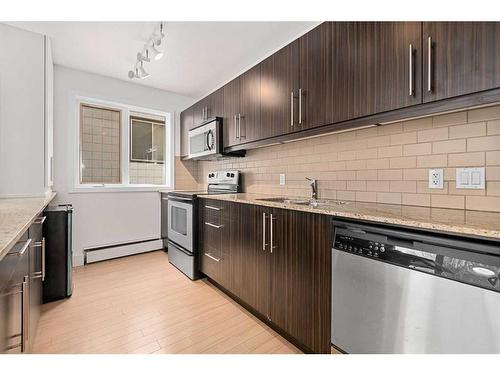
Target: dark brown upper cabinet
314,63
249,117
186,123
209,107
242,108
278,91
373,67
199,111
231,111
460,58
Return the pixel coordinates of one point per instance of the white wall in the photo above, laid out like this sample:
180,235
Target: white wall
21,113
104,218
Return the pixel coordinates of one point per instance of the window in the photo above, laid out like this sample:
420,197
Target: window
147,140
121,147
99,145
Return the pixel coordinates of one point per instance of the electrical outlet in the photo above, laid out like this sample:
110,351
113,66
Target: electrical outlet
435,178
282,179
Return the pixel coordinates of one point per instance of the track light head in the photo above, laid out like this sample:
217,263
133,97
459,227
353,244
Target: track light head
155,52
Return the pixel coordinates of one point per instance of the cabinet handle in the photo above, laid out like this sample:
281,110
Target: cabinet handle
41,220
236,126
239,126
300,106
41,244
264,244
25,314
410,70
213,208
212,257
272,233
213,225
291,109
429,64
21,252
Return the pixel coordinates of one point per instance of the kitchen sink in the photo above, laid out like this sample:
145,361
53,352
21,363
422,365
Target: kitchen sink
304,202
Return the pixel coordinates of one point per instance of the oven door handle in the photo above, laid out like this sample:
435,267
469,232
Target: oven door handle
179,199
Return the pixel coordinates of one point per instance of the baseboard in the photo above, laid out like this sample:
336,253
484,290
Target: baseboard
120,250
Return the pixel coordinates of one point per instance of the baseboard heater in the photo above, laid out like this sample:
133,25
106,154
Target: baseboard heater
97,254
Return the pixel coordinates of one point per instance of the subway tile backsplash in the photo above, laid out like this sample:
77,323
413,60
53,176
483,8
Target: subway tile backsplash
386,164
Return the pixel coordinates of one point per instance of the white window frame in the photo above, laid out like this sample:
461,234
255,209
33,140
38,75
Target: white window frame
125,185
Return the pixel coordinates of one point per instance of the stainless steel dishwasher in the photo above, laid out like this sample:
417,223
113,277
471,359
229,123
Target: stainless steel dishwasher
403,291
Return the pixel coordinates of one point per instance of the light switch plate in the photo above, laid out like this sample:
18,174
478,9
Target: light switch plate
282,179
470,178
435,178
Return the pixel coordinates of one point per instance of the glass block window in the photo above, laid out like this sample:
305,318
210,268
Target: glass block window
99,145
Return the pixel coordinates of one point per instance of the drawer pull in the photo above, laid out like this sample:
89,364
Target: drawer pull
41,220
212,257
21,252
213,225
213,208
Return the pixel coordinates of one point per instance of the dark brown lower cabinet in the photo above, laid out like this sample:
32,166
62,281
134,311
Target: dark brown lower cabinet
301,277
21,274
277,262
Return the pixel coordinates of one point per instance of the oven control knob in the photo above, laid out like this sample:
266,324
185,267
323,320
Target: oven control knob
350,247
232,174
228,174
382,249
376,248
369,253
375,255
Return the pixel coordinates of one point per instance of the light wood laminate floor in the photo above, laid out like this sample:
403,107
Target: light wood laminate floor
142,304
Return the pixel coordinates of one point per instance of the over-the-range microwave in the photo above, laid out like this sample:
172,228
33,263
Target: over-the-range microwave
205,142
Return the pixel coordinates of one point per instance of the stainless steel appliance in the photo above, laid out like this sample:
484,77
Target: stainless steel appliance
182,220
403,291
205,141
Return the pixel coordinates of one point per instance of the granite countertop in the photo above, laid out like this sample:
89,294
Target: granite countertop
16,216
465,222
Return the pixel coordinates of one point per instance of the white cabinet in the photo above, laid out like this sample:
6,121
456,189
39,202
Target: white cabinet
49,114
26,102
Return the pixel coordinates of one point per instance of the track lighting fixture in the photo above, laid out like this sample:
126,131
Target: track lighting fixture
142,73
155,52
143,56
149,51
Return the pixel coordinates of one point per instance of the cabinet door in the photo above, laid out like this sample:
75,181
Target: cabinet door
36,252
373,66
231,110
249,262
463,58
249,126
186,123
278,90
199,112
215,104
314,62
301,279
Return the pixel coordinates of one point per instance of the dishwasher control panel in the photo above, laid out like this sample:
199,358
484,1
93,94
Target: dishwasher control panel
361,246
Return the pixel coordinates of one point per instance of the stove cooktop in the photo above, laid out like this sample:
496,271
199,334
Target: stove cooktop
195,193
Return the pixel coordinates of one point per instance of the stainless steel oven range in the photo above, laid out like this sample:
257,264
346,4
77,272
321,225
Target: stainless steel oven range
183,220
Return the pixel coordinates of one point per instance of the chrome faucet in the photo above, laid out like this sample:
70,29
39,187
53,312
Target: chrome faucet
314,186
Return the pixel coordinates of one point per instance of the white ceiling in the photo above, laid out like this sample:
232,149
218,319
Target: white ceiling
199,56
